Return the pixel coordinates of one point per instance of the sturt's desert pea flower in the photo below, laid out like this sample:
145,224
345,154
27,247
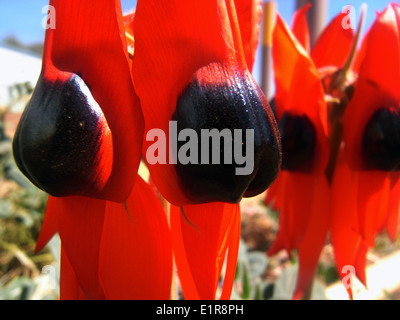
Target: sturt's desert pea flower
337,110
302,192
196,71
80,139
371,135
81,133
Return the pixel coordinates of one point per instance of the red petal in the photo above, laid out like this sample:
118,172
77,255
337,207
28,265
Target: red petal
136,251
79,222
334,45
200,247
250,13
300,27
360,263
271,196
69,284
295,206
233,252
89,41
344,226
392,223
381,64
314,236
282,240
373,194
301,202
50,224
80,227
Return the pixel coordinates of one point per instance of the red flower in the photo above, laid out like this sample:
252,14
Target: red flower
62,135
301,192
339,141
80,136
195,70
371,146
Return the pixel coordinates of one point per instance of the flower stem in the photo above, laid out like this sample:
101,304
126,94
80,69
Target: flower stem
342,91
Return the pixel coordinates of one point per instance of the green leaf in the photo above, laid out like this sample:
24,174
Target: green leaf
246,293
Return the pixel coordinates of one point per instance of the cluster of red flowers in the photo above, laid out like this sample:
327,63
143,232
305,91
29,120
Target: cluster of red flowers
338,112
108,79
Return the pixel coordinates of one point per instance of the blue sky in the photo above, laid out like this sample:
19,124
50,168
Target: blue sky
23,18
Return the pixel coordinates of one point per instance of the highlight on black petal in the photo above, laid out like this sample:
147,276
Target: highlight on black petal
381,141
62,143
235,113
298,137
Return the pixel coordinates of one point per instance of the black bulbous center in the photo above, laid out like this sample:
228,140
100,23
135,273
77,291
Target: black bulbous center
242,133
381,141
59,136
298,142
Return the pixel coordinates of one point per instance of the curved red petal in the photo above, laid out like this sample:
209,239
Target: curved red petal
79,222
50,224
136,250
381,64
250,13
373,198
300,27
314,236
295,208
282,240
233,252
392,223
69,284
344,224
200,247
80,225
334,45
360,263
